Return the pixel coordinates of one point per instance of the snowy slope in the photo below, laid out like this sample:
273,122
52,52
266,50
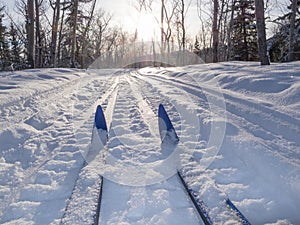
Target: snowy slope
239,131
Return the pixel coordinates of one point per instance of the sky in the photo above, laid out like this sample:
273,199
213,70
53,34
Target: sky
126,15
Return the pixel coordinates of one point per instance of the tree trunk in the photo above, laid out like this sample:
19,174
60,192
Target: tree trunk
183,25
292,30
245,56
261,32
60,38
73,46
229,32
162,18
215,32
38,48
30,33
222,24
53,53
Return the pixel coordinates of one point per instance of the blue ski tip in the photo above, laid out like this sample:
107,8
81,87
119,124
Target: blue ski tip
165,125
162,114
100,121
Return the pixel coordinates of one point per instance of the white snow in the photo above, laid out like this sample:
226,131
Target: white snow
239,131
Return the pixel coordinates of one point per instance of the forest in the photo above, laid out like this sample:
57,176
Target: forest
75,33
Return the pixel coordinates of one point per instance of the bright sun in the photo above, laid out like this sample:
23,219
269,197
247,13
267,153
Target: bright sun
147,27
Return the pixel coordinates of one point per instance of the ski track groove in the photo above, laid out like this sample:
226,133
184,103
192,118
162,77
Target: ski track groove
250,125
27,103
149,90
39,103
106,98
137,107
126,105
187,171
101,97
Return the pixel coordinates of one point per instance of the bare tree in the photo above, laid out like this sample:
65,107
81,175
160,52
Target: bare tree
84,38
100,29
38,38
261,32
180,15
73,40
55,22
292,30
215,31
230,29
162,19
167,11
30,32
169,15
61,33
205,33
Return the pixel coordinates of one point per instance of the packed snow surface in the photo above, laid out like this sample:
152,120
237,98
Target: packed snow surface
238,125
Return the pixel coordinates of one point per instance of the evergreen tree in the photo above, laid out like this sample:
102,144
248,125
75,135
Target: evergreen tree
16,49
4,50
197,47
244,37
75,30
282,44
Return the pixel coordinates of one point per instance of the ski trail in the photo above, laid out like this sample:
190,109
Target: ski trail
84,204
111,103
284,135
39,103
190,124
163,203
130,142
191,146
146,111
100,98
57,156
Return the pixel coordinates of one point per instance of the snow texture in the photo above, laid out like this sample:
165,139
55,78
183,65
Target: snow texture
237,122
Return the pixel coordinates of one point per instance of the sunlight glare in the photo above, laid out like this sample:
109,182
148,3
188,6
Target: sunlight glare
147,27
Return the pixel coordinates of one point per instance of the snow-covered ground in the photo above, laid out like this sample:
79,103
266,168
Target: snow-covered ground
239,130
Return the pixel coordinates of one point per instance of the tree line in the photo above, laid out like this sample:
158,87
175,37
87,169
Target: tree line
74,33
239,31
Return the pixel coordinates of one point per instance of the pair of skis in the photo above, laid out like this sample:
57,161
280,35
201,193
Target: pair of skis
167,132
166,129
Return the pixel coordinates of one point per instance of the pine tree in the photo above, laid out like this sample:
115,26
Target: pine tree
284,46
4,50
76,28
16,49
197,47
244,35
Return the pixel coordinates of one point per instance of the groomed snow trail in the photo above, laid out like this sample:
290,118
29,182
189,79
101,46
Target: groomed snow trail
42,155
46,130
37,131
134,139
261,143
